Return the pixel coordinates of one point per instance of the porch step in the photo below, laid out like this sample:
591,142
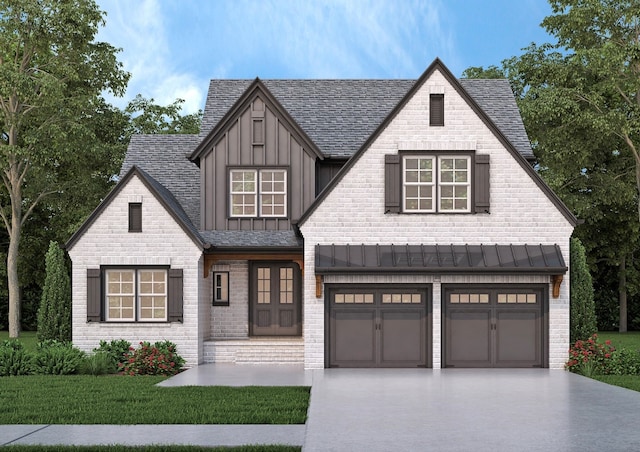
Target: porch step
255,351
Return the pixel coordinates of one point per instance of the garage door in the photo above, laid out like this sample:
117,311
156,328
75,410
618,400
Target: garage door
495,327
378,326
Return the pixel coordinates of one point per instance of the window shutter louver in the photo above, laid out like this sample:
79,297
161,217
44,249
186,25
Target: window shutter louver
93,295
481,184
391,183
175,295
436,110
135,217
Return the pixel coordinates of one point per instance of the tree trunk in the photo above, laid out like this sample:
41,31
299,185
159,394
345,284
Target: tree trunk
622,294
13,184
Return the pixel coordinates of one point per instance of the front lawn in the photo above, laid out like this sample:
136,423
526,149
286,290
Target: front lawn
28,339
630,340
82,399
625,381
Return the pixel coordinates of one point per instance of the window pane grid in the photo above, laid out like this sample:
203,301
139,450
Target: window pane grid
418,184
454,182
273,193
244,193
286,285
141,291
264,285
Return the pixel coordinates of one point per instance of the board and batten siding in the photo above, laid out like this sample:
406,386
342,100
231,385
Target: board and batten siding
257,138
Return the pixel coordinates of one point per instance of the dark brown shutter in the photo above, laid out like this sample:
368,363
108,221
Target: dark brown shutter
175,295
436,110
135,217
392,183
94,299
481,184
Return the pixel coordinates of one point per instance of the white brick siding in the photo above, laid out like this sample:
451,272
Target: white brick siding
233,321
353,213
161,242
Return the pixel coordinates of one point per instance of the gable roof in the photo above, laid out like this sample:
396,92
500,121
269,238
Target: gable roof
161,193
255,89
163,157
482,114
339,115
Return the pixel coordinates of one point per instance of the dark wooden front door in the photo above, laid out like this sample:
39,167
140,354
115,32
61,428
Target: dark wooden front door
374,326
495,326
275,302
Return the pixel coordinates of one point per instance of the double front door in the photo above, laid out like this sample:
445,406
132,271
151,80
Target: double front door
276,293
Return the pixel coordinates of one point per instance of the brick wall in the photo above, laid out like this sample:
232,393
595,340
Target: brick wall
233,321
162,242
353,213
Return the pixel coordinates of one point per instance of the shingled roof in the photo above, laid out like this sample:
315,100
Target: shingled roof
339,115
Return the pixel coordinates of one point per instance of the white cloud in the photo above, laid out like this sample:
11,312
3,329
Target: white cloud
139,29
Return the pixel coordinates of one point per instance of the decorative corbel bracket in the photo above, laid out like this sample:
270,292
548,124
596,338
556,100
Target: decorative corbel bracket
556,280
319,281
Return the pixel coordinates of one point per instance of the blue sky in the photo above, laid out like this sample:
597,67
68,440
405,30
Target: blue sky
173,47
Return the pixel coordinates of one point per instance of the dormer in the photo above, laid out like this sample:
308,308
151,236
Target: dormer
257,166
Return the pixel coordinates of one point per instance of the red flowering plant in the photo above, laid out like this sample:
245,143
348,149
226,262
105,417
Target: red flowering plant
157,359
590,357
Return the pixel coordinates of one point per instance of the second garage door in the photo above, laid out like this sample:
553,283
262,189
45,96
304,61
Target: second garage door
374,326
489,326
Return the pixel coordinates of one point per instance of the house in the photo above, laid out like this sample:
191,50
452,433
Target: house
335,223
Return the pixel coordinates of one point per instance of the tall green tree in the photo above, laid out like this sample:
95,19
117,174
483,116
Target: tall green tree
51,71
54,314
145,116
583,310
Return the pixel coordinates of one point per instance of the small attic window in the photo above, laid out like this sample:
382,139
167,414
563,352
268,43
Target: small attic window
135,217
258,131
436,110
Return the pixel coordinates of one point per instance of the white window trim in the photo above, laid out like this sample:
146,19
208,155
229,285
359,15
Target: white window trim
454,184
136,295
418,184
243,193
436,183
257,194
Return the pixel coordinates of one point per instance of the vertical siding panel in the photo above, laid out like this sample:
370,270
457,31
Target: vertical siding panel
296,179
309,182
220,182
246,145
270,130
208,187
233,144
283,145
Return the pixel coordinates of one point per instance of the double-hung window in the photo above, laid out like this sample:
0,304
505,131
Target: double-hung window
436,183
136,295
258,193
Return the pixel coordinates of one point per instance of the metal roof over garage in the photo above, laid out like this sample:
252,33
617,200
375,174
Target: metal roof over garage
492,258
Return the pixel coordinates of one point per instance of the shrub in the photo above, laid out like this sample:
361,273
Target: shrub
54,315
582,308
57,358
118,350
590,357
624,362
98,363
157,359
14,359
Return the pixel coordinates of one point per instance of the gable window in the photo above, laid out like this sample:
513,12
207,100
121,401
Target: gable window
436,110
258,193
136,295
439,183
135,217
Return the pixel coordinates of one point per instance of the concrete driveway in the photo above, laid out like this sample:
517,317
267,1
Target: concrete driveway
469,410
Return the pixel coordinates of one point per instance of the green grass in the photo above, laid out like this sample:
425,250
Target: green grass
630,340
28,338
151,448
81,399
625,381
